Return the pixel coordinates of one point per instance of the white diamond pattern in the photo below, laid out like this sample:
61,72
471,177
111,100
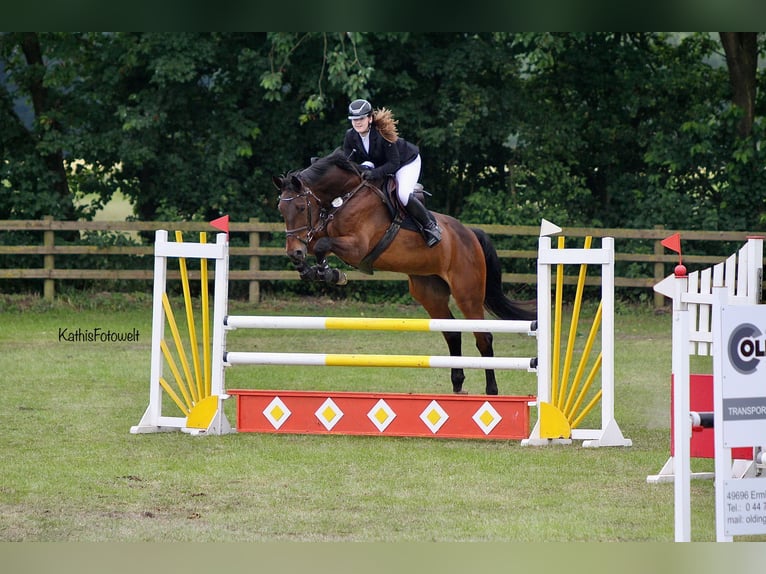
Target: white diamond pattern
486,418
434,416
329,414
381,415
277,412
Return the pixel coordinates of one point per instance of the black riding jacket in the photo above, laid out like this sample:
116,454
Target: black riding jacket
387,157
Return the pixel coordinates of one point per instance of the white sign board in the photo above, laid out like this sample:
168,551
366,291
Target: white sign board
743,368
744,506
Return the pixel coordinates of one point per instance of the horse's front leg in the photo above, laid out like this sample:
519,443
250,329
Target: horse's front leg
324,272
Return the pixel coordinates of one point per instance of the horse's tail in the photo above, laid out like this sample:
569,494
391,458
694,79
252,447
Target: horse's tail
495,300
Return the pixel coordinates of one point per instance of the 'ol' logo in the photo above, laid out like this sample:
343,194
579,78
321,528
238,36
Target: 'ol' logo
746,347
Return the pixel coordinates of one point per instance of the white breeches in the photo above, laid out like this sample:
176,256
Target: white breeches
406,178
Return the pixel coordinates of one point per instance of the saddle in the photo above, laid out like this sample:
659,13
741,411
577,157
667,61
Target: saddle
395,207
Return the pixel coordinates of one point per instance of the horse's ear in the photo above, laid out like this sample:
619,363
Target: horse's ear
296,182
277,181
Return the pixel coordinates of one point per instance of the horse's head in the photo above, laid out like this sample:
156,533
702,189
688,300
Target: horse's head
305,194
295,205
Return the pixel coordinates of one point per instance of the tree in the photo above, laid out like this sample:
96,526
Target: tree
177,122
741,49
34,172
612,129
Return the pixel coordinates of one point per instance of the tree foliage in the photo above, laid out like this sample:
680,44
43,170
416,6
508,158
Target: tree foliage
603,129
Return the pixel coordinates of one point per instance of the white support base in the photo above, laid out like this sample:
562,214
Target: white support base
740,468
610,435
150,424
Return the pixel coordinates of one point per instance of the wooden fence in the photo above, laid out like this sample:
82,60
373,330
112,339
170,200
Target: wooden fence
632,245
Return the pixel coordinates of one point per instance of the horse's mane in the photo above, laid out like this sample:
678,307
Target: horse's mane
322,165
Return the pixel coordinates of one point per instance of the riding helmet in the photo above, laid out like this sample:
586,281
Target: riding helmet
359,109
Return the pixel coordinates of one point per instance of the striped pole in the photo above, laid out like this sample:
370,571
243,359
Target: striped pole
380,324
358,360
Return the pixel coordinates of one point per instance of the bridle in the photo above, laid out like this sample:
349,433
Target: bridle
326,213
310,231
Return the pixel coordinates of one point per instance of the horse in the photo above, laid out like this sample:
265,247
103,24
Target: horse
330,207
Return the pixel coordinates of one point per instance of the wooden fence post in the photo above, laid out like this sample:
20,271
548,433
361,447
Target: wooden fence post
49,241
255,265
659,270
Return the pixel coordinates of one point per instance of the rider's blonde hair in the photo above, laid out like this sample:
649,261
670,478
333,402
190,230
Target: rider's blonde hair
386,124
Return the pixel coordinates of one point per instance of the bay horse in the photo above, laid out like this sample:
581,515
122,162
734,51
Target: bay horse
329,207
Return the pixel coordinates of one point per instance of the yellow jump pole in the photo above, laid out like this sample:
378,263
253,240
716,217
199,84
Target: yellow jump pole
172,394
556,356
583,360
586,386
196,392
594,401
178,343
182,386
573,329
206,348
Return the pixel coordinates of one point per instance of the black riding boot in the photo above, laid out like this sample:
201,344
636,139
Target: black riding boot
425,219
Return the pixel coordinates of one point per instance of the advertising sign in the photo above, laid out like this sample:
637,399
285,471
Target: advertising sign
743,368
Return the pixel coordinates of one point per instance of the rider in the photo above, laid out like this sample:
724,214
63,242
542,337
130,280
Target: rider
382,152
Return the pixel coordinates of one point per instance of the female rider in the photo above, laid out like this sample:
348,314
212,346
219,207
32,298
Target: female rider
382,152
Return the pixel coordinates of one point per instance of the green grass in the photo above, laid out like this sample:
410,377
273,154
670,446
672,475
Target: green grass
72,471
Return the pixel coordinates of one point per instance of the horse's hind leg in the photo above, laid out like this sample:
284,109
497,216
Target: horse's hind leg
484,344
473,308
433,293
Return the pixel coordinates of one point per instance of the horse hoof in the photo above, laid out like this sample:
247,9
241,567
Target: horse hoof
460,392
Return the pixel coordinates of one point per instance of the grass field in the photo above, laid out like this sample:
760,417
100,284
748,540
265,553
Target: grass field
73,472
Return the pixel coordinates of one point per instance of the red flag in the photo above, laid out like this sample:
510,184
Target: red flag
221,223
673,242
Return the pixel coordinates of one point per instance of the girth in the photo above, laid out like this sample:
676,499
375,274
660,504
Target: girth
399,219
